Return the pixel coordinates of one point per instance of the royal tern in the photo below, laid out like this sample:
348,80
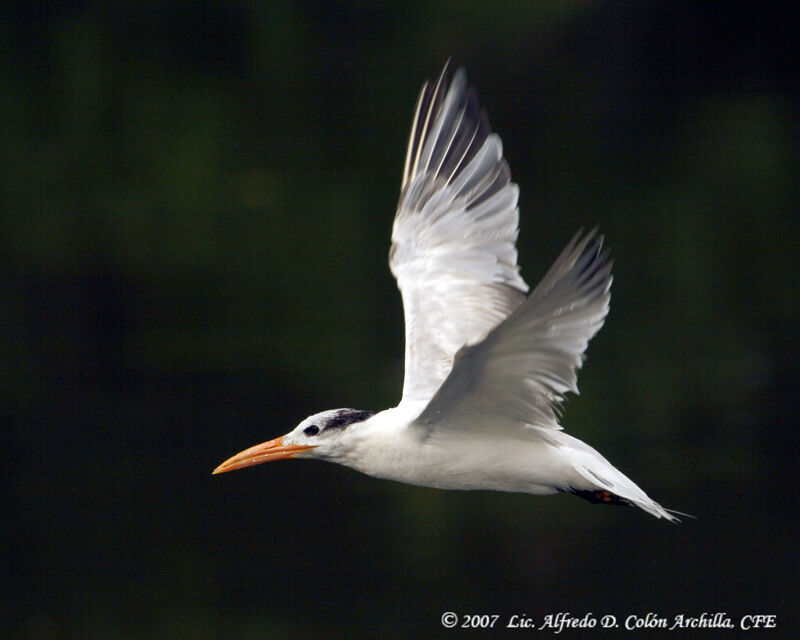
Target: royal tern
486,367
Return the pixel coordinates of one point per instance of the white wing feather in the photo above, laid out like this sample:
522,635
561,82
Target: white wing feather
519,374
486,368
453,240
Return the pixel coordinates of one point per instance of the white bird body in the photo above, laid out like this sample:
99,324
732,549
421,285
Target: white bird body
520,458
525,463
486,367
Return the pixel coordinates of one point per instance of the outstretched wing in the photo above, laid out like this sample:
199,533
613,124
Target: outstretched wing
453,240
521,371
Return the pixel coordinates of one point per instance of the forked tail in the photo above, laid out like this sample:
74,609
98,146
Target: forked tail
614,487
595,479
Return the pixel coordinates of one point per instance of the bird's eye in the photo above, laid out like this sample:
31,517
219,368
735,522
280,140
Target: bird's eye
312,430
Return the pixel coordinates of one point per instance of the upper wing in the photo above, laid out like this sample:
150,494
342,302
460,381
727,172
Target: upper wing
453,240
523,368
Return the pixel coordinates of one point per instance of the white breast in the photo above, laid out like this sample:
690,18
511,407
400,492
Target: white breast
388,448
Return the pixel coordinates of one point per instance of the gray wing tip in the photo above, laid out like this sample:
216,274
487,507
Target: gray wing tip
448,95
583,262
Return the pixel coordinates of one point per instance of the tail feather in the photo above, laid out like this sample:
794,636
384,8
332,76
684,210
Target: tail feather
595,479
614,487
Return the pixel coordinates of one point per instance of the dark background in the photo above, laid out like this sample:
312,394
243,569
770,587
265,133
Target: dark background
197,200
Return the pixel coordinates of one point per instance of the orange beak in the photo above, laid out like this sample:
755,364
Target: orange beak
264,452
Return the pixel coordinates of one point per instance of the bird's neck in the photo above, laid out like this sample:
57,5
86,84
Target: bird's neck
380,443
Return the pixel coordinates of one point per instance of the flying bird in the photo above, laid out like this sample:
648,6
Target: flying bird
487,364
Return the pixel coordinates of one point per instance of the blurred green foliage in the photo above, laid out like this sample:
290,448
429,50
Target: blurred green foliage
197,202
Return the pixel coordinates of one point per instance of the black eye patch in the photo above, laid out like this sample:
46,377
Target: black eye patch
346,417
311,430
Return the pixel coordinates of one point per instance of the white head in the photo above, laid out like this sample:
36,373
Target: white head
324,435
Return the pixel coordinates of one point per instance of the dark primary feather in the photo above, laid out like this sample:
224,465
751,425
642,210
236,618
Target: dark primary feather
445,140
